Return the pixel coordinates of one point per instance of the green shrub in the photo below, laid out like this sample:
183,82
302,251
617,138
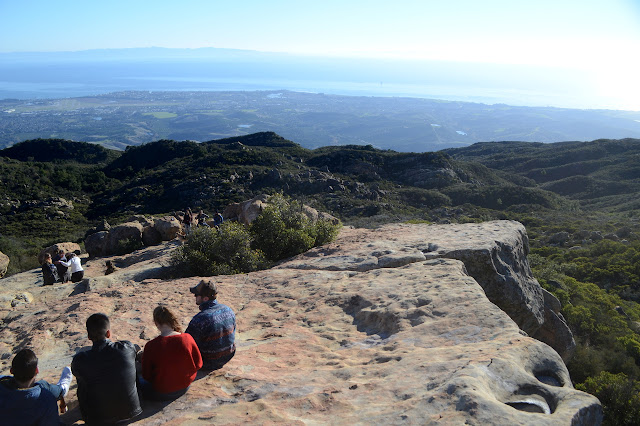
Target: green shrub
283,230
620,397
223,251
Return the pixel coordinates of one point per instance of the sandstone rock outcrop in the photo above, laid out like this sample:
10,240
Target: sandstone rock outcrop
494,254
68,247
168,227
138,230
131,231
382,326
246,211
96,243
4,264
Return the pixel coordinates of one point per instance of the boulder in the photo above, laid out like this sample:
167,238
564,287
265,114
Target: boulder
559,238
96,244
144,220
310,212
68,247
4,264
329,218
151,236
246,211
131,231
168,227
102,226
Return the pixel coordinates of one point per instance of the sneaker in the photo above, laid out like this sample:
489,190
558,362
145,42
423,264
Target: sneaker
65,380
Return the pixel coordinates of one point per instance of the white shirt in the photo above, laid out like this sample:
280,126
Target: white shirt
74,263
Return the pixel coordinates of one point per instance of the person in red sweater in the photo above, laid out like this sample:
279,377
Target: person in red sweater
171,361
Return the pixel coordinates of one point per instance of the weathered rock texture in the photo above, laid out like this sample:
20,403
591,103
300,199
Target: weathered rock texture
246,211
4,264
67,247
380,327
138,230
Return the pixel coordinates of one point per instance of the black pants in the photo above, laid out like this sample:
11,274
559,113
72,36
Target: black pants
77,276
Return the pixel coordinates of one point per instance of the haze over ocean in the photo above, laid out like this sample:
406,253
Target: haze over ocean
64,75
574,53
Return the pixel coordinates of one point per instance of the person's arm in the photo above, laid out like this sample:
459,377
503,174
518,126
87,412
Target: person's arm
63,263
147,362
193,329
196,356
49,412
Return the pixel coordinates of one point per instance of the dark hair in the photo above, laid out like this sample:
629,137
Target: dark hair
97,327
24,365
162,315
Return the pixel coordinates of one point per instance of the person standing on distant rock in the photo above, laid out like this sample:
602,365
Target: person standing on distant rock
171,361
217,220
187,220
23,401
213,328
77,272
106,376
49,270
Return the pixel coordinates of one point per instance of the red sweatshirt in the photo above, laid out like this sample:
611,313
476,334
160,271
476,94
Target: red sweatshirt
170,363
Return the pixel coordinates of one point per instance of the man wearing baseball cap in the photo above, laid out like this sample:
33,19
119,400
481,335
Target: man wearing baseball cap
213,328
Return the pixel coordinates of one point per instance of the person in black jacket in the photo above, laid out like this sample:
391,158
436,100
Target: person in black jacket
49,271
106,376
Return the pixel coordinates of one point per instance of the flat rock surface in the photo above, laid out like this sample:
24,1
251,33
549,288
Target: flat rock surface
372,328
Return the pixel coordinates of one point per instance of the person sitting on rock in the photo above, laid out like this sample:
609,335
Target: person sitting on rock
63,271
106,376
77,273
171,361
213,328
49,271
23,401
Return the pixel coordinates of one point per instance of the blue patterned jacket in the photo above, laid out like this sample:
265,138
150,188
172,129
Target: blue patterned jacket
214,330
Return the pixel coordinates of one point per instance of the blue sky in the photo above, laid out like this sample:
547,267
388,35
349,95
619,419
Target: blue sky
600,37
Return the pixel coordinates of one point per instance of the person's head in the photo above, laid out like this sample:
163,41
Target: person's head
61,252
71,256
98,327
24,366
162,315
47,258
204,291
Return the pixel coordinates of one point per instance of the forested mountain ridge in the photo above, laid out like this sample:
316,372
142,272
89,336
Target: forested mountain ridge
601,174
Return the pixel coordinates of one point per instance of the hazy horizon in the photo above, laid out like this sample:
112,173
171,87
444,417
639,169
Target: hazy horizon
578,54
35,75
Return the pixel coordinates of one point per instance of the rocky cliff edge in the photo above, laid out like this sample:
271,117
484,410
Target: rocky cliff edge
391,326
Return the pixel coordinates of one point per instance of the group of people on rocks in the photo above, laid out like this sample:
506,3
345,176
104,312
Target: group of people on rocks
191,219
62,268
113,376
